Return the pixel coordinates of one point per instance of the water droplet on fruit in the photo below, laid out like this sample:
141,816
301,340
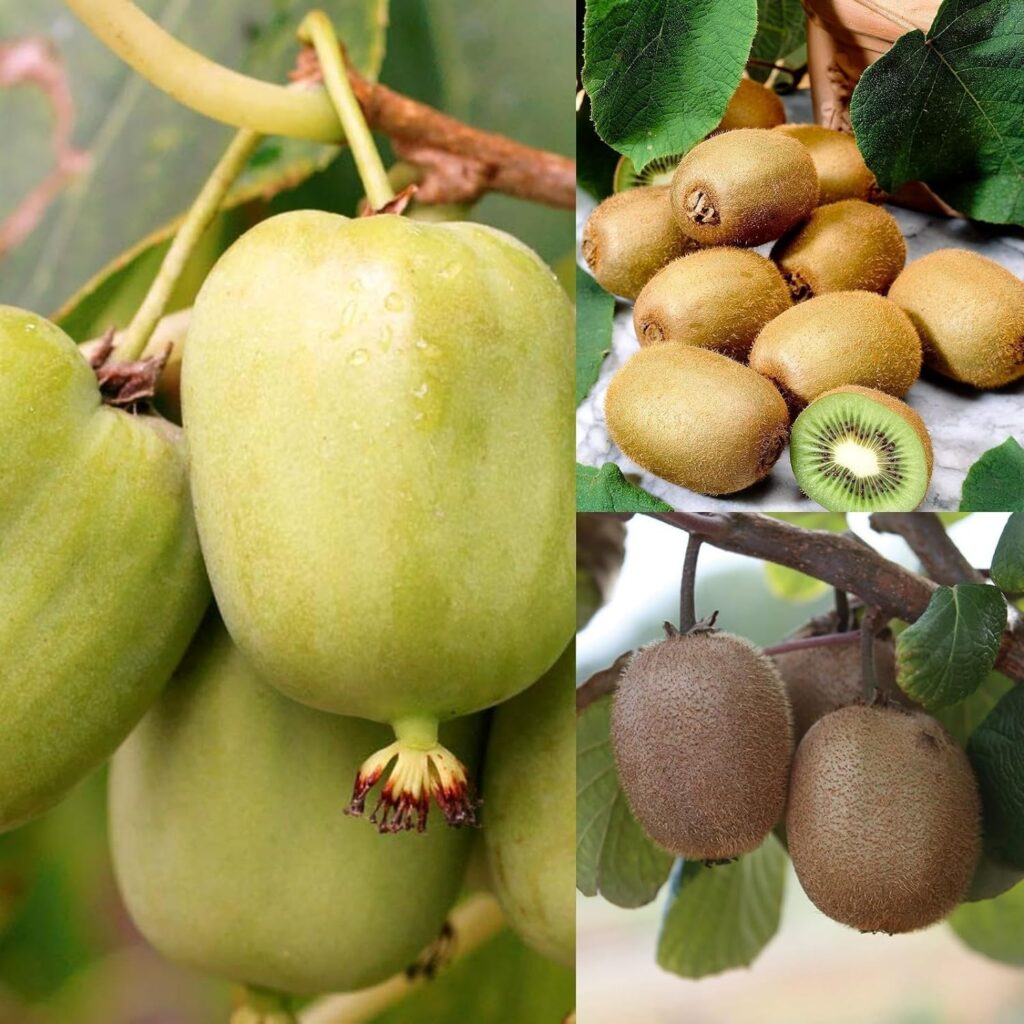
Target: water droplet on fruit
394,302
386,337
429,350
451,270
348,314
359,357
421,391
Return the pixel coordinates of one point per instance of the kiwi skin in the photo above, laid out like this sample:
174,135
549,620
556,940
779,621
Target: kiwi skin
717,298
630,236
744,187
703,741
846,246
752,105
969,312
883,821
842,173
835,339
696,418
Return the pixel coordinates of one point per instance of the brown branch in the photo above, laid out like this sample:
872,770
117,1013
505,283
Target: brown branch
801,643
927,538
600,684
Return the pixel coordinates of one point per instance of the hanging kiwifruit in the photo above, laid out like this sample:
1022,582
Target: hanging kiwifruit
860,450
844,246
842,173
629,237
883,820
703,738
969,311
744,187
717,298
696,418
836,339
752,105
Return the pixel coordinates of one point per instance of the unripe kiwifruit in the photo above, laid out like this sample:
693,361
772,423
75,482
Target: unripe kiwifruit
703,738
717,298
744,187
696,418
842,173
630,236
752,105
836,339
883,820
845,246
969,311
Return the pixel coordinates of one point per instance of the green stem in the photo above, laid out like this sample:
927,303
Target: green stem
416,733
316,30
196,221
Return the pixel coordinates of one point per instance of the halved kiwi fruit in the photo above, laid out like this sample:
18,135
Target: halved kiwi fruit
696,418
744,187
842,173
657,172
717,298
969,311
835,339
844,246
856,449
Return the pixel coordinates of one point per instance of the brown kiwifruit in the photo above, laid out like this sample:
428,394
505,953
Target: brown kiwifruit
716,298
630,236
883,820
744,187
752,105
703,739
969,312
696,418
837,339
845,246
842,173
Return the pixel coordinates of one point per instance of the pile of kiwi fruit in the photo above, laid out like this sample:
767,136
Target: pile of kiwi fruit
717,745
834,322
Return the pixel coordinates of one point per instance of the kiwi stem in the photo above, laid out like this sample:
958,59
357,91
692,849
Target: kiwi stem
316,30
926,536
868,630
842,610
687,605
200,215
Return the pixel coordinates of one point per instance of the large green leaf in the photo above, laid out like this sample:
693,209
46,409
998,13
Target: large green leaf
995,483
781,32
595,309
994,927
607,490
1008,560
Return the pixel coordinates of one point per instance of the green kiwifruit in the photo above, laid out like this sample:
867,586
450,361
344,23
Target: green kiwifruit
658,172
744,187
969,311
717,298
860,450
836,339
883,820
842,173
696,418
703,738
629,237
845,246
752,105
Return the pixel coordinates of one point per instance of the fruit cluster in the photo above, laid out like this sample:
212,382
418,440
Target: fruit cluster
816,345
878,805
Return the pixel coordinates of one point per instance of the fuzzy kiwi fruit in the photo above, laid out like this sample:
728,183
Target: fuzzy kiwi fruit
969,311
752,105
629,237
836,339
696,418
856,449
845,246
703,738
744,187
842,173
717,298
883,820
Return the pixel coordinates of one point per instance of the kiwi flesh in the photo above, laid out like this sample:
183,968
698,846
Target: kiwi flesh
630,236
752,105
969,312
856,449
842,173
696,418
658,172
883,820
835,339
717,298
744,187
703,741
845,246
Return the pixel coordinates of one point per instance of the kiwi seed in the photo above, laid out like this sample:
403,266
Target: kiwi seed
842,173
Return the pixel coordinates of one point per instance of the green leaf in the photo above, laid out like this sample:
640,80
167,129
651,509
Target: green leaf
961,719
948,652
722,917
614,857
594,311
997,752
781,31
993,927
595,161
995,483
646,68
1008,560
945,109
792,585
607,490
